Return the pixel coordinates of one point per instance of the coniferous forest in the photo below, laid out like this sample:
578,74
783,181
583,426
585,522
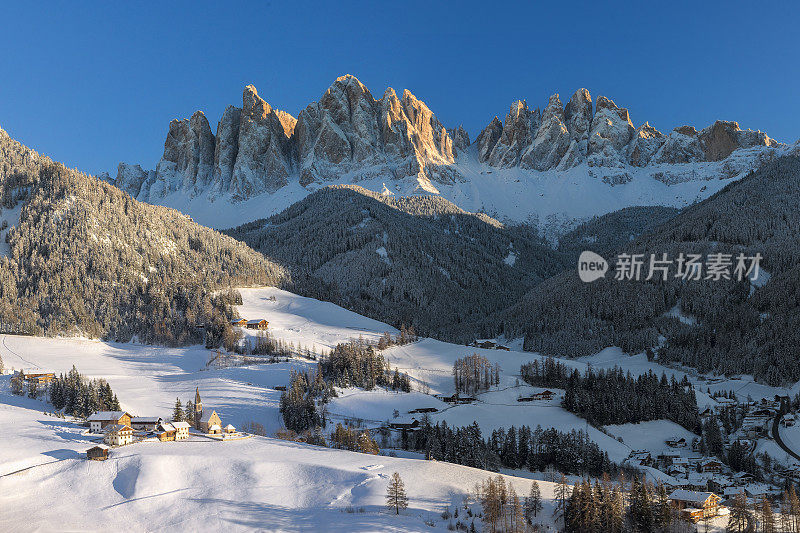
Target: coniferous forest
615,397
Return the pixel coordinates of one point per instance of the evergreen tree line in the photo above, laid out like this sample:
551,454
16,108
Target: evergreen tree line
79,396
474,373
87,259
358,364
600,508
535,450
615,397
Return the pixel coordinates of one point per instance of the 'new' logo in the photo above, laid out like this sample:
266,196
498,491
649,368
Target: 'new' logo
591,266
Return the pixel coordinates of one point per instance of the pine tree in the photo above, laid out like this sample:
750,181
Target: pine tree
177,412
533,502
396,498
17,385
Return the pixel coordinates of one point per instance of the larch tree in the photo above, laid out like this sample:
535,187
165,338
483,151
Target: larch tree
396,498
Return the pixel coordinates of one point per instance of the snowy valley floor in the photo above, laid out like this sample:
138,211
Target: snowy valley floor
261,482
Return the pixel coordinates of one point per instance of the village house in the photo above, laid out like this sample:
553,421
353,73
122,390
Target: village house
405,426
118,435
258,323
712,466
147,423
788,420
676,442
640,458
97,453
181,430
695,506
239,322
40,378
101,419
165,432
230,429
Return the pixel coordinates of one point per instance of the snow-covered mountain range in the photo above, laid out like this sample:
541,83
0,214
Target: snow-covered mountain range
557,165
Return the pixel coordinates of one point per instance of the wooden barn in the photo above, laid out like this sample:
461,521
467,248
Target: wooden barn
166,432
239,322
696,505
97,453
258,323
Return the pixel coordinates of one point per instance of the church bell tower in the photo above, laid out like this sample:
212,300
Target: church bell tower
198,408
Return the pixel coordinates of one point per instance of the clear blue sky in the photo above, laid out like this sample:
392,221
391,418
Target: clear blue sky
94,84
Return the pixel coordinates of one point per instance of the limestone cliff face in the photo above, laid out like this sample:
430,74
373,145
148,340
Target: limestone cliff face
350,132
348,136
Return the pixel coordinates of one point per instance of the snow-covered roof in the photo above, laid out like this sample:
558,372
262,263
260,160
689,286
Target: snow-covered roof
207,416
215,427
690,496
102,416
117,427
256,321
101,446
166,426
181,425
230,426
145,419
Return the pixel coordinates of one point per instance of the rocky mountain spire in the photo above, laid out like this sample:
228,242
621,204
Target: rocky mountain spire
348,135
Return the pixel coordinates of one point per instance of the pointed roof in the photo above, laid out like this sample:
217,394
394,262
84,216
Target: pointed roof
197,396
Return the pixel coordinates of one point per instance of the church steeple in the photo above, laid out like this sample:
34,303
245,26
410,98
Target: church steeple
198,407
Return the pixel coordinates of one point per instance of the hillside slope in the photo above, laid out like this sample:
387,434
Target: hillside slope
734,327
83,257
417,260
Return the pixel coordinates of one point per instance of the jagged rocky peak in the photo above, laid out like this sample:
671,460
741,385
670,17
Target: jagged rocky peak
487,139
188,159
578,116
350,132
551,140
460,139
262,161
645,144
723,137
517,135
561,138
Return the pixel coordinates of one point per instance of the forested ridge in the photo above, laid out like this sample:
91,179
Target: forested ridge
85,258
417,260
739,328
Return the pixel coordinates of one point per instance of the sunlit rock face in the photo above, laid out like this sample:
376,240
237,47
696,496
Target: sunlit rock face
349,136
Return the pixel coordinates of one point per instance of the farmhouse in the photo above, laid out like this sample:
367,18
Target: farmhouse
696,505
258,323
676,443
711,466
239,322
148,423
166,432
97,453
101,419
118,435
181,430
411,426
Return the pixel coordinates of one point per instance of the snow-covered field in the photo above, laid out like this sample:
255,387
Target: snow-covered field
199,485
262,482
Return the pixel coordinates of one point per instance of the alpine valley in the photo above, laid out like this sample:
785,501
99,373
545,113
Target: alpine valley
360,319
